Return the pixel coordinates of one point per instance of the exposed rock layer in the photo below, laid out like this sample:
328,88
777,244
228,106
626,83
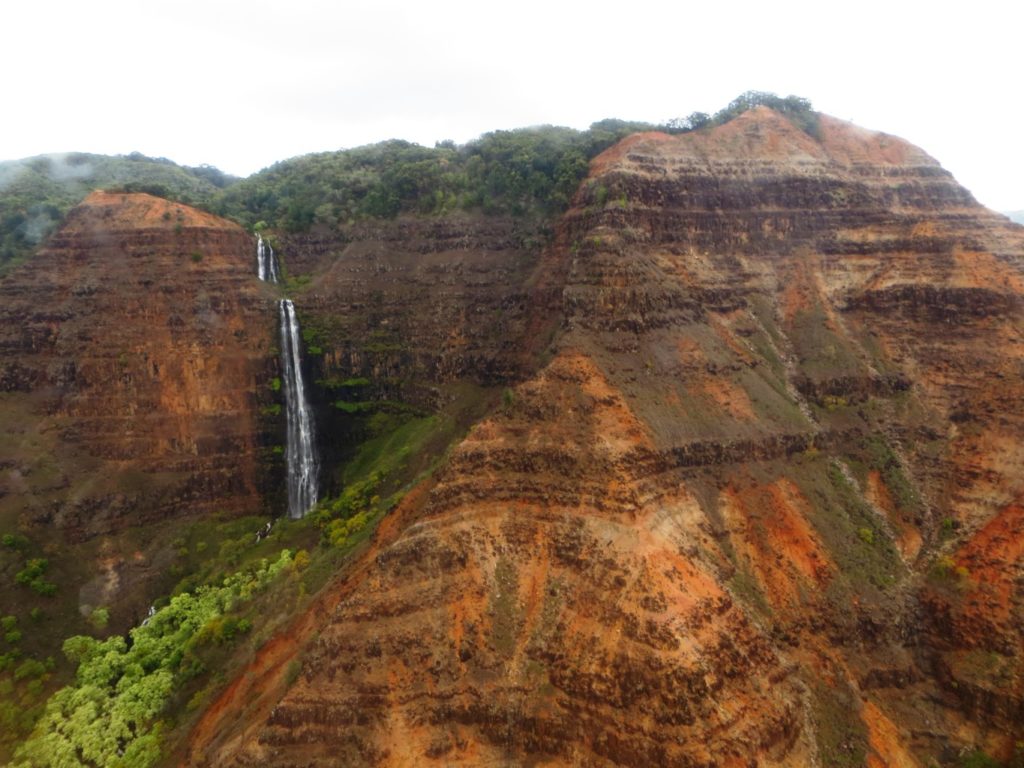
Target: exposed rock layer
133,351
760,506
415,304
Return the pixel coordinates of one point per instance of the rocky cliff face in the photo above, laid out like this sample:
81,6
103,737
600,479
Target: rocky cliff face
762,505
415,304
133,351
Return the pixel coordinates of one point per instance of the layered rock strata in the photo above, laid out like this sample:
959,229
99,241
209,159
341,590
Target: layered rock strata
759,508
134,349
414,304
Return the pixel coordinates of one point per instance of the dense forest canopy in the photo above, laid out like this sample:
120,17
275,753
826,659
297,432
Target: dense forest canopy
524,172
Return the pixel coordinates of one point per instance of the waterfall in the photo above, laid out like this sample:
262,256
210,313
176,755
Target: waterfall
266,264
300,451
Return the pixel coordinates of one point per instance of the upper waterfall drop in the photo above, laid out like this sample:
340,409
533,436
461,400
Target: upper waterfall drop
266,262
300,448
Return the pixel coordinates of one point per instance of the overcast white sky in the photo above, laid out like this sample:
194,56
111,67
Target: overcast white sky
241,85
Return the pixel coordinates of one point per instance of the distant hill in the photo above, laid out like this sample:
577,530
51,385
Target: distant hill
1017,216
36,192
529,172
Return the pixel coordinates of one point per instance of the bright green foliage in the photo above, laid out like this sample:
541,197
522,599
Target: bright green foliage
108,717
363,406
32,576
338,532
99,617
347,515
32,668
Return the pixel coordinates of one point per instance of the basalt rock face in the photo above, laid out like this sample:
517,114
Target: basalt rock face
415,304
132,351
762,505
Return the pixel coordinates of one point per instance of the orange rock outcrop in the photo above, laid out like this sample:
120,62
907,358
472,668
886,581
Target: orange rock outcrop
711,530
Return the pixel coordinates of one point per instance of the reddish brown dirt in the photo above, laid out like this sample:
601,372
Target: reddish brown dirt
264,680
850,144
119,212
887,750
137,339
614,156
770,531
991,558
648,555
908,538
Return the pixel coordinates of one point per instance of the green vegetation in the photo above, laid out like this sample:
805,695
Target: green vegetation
945,572
32,576
977,759
881,457
110,715
525,172
841,735
313,337
36,193
504,606
799,111
376,406
867,559
14,541
866,553
823,354
375,476
27,670
745,586
99,618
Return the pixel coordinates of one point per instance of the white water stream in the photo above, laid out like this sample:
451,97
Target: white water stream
300,449
266,263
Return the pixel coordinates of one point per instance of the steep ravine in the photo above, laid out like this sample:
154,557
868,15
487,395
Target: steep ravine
758,506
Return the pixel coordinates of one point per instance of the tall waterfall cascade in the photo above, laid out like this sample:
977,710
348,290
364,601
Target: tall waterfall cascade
300,449
266,262
300,446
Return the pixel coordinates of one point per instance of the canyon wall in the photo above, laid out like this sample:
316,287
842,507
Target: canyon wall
135,351
758,503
